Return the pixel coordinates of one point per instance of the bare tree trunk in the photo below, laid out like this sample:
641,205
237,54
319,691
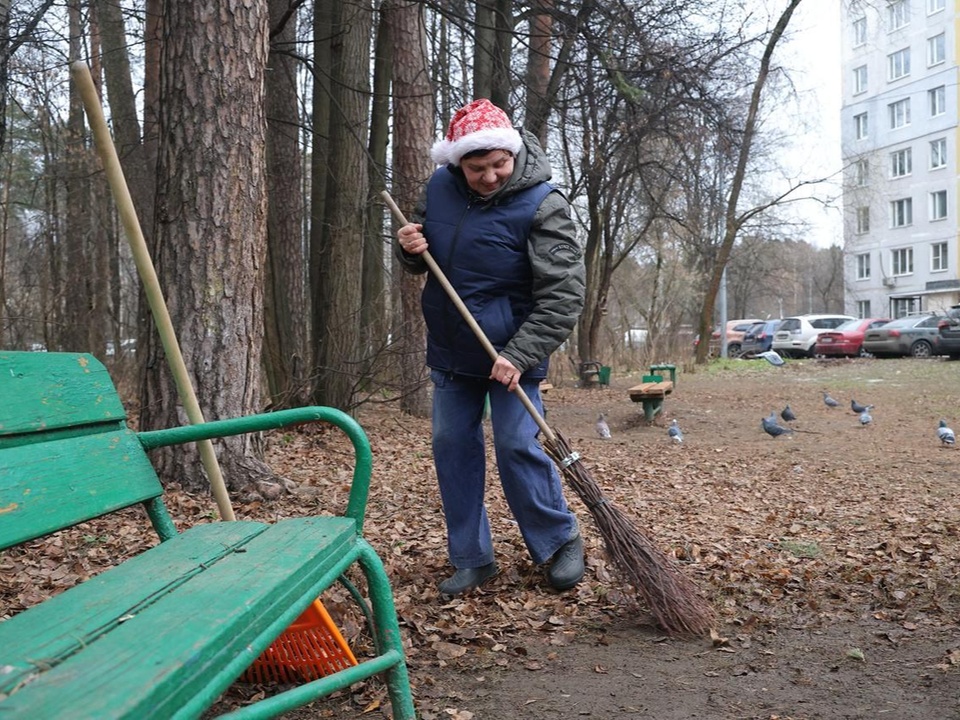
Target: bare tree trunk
734,221
412,167
347,196
374,299
323,31
76,299
285,309
211,225
538,70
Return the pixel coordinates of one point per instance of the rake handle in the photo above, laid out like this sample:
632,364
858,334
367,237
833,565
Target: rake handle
470,320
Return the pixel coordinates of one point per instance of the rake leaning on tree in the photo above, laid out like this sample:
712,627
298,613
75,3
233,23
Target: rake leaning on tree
504,238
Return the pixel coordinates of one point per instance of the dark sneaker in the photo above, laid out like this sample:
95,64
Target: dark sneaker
466,579
566,567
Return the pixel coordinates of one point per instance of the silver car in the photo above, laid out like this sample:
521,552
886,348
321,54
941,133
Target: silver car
796,336
915,335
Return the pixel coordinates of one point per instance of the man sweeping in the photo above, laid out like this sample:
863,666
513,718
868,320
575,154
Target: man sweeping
504,238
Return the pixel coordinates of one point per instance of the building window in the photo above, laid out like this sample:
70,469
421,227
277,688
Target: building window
938,100
936,49
901,163
898,14
901,212
938,257
863,266
902,261
859,79
863,309
899,113
905,306
860,31
862,173
860,125
938,205
934,6
863,220
938,153
898,64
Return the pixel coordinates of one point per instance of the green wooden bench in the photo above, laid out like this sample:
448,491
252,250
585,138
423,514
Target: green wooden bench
651,393
164,633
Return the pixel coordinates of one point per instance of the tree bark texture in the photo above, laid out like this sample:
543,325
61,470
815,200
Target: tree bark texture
412,167
347,188
211,225
375,251
285,309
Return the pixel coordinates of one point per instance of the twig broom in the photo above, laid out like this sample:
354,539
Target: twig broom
674,601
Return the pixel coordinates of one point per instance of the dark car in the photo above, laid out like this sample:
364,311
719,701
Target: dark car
915,335
758,338
949,329
847,339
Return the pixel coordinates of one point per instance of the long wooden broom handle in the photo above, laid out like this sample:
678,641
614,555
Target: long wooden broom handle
470,320
148,275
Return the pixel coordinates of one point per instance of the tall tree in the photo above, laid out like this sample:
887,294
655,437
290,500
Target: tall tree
735,218
211,224
412,138
286,360
339,356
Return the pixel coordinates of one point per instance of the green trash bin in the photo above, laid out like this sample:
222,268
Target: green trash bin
603,377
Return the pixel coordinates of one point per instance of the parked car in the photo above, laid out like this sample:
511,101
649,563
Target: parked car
758,338
736,329
915,335
797,335
847,339
949,329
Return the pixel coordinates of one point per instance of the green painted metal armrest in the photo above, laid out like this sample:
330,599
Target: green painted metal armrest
363,459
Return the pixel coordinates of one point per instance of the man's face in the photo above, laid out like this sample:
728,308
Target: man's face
486,174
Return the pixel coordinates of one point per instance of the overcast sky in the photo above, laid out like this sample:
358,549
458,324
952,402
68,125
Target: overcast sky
813,58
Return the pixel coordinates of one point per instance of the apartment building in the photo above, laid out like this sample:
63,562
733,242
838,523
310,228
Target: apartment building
900,154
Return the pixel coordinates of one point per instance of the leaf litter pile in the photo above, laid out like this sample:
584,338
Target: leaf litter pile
838,524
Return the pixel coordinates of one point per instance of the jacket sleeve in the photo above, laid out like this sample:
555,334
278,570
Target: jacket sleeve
558,285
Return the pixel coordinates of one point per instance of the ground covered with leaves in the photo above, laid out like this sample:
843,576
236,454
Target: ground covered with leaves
829,555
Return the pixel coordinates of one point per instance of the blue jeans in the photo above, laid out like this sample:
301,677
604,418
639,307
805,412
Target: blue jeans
531,483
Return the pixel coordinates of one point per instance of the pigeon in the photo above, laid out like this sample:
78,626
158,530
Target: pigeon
772,357
772,428
857,407
603,430
829,401
946,435
865,417
675,433
787,414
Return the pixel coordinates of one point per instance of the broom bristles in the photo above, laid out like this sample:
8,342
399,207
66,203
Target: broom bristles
672,598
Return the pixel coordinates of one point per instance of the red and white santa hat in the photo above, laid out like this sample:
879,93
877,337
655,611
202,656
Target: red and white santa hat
481,125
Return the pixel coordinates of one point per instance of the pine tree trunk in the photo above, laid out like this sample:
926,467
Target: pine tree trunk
347,196
413,136
211,226
285,315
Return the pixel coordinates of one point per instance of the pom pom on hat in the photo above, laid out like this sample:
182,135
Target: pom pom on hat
481,125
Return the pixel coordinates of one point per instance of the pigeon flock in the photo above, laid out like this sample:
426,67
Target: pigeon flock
772,427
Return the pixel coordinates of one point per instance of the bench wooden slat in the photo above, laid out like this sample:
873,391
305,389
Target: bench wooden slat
650,390
41,392
232,606
70,480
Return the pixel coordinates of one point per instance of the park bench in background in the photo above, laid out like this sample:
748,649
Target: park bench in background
651,393
163,634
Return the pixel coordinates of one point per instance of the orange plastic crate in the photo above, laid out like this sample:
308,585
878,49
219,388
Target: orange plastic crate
310,648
